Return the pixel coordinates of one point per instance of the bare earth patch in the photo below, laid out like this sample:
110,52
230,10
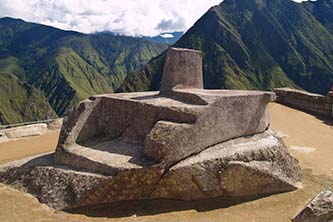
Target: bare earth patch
303,130
20,148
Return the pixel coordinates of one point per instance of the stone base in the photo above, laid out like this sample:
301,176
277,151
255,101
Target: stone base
163,129
183,143
243,167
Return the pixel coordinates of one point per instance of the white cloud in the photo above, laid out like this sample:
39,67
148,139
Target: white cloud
167,35
130,17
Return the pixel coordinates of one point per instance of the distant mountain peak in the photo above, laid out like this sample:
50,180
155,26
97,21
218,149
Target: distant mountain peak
63,66
166,37
257,44
11,19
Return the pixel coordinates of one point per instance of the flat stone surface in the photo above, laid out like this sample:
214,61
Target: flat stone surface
286,89
25,131
104,157
305,101
166,129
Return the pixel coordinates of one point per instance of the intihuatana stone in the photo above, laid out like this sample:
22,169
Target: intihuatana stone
183,143
182,70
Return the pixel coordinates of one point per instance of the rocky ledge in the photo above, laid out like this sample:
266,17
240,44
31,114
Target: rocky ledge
319,209
244,167
183,143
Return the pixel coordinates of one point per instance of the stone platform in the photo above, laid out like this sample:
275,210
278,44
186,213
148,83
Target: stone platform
147,128
183,142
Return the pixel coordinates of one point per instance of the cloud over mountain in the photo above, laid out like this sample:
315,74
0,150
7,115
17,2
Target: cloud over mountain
140,17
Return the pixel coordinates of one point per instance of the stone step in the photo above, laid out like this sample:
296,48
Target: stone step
104,157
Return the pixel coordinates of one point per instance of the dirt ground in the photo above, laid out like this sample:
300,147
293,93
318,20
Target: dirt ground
29,146
309,138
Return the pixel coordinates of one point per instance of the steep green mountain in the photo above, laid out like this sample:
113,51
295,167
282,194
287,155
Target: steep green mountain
21,102
69,66
257,44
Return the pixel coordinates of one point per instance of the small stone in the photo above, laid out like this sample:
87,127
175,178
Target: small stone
319,209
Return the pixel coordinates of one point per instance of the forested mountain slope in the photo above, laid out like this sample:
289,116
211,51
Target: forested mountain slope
68,66
257,44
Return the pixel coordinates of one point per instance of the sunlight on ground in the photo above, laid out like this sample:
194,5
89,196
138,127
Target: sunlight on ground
312,143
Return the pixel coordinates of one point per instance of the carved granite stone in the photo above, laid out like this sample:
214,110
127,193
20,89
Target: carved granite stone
319,209
183,143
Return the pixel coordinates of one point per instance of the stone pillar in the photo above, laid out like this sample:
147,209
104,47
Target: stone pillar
182,70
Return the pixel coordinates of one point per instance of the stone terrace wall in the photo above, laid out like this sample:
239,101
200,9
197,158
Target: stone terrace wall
308,102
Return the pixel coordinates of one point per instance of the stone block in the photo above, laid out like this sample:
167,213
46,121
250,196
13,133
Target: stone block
319,209
26,131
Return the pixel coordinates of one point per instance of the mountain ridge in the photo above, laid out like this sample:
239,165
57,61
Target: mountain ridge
170,39
68,66
257,44
21,102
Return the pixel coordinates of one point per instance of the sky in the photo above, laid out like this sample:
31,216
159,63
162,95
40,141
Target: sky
127,17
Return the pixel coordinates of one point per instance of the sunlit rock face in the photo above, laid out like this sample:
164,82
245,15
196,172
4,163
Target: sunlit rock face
319,209
183,142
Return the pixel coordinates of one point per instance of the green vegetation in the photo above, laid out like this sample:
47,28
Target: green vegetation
20,102
65,66
256,44
252,44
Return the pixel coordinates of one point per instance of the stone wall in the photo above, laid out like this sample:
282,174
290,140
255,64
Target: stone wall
18,131
308,102
25,131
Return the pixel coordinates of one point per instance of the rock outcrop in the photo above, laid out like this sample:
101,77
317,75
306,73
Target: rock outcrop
182,143
319,209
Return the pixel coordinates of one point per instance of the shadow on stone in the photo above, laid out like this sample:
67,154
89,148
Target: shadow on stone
325,120
181,143
155,207
133,152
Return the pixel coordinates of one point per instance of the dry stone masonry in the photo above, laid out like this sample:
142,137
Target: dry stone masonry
183,143
25,131
308,102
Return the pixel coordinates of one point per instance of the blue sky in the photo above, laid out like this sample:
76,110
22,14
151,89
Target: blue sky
130,17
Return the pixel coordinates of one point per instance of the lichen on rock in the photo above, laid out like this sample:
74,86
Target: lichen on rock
183,143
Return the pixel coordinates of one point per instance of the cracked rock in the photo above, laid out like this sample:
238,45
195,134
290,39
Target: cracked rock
182,143
319,209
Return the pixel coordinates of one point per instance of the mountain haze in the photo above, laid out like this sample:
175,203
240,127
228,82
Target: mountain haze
67,66
257,44
168,37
